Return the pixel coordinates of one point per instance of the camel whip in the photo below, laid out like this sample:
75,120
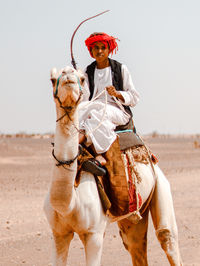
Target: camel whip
72,57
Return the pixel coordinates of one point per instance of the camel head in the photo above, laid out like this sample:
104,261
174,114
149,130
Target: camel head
67,86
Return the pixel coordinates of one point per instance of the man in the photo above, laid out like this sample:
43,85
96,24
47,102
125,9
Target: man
105,78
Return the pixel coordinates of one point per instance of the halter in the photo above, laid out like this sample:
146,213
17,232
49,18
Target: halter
57,83
67,109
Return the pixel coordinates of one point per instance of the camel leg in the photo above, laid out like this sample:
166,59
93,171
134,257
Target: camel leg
163,216
93,243
61,248
134,237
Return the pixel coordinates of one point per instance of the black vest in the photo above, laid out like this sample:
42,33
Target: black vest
117,80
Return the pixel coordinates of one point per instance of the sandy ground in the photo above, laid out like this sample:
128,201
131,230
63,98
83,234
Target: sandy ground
25,172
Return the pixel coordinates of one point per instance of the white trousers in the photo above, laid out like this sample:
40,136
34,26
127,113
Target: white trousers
99,122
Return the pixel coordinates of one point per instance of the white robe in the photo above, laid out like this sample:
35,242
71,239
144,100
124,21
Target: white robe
99,118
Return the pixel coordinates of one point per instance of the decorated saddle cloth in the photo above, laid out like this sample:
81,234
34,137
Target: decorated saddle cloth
122,177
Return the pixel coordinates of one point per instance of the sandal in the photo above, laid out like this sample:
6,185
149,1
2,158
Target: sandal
93,166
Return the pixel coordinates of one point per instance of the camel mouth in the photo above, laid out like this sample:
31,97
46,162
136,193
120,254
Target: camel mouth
68,82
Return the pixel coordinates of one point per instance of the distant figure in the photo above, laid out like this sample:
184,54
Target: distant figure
196,144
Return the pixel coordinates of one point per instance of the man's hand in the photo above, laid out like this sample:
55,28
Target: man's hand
113,92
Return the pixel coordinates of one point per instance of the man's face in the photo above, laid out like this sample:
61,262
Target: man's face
100,52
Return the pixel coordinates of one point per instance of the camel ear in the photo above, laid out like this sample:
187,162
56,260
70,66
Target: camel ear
81,76
53,75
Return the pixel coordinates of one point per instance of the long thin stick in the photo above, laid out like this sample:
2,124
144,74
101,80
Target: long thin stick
72,57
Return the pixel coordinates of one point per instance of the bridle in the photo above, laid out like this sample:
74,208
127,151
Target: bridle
67,109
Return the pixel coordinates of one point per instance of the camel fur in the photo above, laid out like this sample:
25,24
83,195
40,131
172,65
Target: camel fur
78,210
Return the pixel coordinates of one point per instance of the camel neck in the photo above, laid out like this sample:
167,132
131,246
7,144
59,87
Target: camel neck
66,138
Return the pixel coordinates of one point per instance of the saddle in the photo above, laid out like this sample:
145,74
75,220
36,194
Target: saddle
127,136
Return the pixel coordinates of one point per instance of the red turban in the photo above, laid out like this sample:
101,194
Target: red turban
106,39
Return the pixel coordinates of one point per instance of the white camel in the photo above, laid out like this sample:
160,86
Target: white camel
69,209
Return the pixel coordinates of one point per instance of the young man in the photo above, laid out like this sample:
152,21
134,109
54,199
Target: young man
98,117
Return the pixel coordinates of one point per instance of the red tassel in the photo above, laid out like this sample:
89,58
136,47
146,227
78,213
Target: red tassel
132,192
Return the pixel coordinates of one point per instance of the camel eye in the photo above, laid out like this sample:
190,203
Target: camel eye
53,81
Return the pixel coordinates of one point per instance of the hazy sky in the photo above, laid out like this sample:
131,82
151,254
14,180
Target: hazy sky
159,43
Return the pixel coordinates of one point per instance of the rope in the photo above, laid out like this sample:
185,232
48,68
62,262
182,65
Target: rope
105,107
89,102
62,163
120,106
104,113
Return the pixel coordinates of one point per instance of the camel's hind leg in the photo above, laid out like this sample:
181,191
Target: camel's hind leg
61,248
134,238
163,216
93,243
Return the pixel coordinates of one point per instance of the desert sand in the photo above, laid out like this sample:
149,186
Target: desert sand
25,173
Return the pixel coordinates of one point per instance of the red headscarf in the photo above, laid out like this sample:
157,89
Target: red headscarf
106,39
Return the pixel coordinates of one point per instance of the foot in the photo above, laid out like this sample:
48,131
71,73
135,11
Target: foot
93,166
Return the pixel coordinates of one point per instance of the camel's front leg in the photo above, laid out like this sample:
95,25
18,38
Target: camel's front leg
93,243
61,248
134,238
163,216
